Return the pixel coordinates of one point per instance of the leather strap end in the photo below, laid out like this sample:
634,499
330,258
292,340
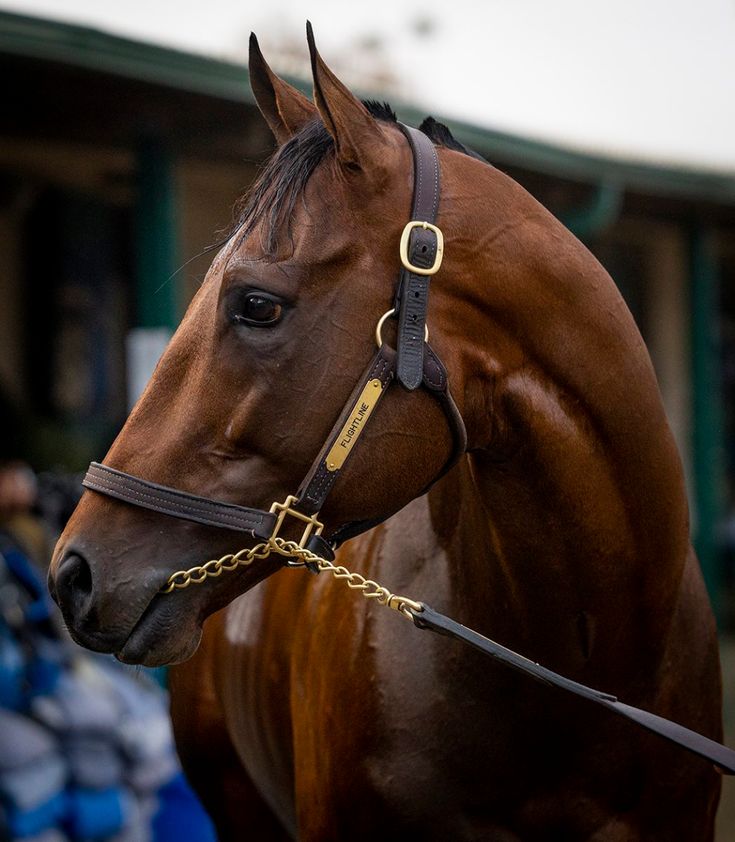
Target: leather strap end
412,330
319,545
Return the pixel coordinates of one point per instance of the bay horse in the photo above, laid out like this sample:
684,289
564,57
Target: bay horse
562,530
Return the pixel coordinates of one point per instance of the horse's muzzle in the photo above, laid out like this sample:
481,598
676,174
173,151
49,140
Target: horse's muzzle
71,586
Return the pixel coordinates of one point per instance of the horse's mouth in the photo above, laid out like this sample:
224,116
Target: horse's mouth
161,636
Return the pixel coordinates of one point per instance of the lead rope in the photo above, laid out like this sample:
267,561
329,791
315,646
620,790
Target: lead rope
424,617
290,549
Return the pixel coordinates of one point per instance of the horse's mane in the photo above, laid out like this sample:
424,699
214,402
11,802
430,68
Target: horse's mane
272,197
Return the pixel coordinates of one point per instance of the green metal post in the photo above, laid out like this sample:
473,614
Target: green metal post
156,261
708,410
156,257
600,212
156,238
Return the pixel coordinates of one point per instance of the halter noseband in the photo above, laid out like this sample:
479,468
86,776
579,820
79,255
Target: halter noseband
412,364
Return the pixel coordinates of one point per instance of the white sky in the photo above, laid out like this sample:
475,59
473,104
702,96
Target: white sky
650,80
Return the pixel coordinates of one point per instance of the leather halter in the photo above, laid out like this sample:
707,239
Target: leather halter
413,364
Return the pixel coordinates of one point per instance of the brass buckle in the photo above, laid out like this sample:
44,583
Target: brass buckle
282,509
403,248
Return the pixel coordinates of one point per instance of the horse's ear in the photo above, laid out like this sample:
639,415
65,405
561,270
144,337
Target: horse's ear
285,109
356,133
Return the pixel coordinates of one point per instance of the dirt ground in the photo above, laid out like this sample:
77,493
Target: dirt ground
726,814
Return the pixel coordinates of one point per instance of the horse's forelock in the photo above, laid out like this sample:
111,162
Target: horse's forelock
271,200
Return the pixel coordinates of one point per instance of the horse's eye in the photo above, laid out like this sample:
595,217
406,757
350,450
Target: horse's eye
259,309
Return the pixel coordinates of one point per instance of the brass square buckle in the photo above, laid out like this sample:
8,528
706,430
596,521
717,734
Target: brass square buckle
313,526
403,249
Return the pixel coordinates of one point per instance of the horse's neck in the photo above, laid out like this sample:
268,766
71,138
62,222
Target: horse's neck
567,531
551,563
560,553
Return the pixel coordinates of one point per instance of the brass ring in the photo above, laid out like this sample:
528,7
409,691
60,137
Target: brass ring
381,322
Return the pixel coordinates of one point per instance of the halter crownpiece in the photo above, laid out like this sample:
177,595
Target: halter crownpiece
421,250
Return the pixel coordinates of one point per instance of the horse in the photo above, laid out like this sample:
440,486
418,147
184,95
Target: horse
560,531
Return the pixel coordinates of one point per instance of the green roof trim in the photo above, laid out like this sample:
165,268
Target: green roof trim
581,166
81,46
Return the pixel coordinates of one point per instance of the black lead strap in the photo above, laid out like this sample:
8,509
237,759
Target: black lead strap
722,757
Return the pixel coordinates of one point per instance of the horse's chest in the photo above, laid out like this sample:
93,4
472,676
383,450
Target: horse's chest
254,687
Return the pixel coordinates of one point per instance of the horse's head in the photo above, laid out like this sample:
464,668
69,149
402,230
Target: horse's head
261,366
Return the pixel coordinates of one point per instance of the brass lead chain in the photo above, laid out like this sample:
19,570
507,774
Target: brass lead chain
290,549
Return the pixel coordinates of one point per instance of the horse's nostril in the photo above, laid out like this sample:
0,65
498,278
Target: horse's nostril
73,584
78,591
83,578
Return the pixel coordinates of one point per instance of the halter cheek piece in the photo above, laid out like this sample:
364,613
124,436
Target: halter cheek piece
412,364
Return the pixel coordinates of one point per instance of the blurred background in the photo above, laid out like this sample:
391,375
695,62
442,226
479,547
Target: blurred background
128,130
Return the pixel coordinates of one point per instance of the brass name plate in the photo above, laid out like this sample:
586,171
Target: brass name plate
354,425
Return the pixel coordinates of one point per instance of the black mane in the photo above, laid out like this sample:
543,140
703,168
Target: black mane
273,196
380,110
441,136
